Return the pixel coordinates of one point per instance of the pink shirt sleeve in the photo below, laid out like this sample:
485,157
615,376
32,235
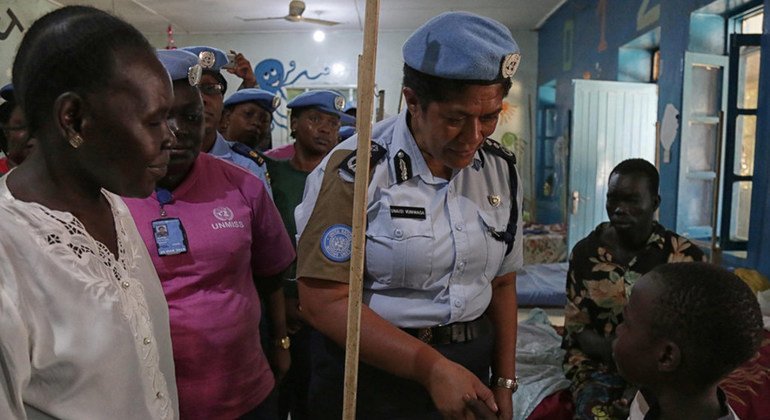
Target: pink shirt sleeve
271,248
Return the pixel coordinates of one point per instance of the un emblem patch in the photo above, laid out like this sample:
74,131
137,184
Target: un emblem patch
336,242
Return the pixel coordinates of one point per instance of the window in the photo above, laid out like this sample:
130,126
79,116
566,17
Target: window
719,109
740,137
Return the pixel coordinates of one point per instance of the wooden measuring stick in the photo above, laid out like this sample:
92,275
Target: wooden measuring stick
366,70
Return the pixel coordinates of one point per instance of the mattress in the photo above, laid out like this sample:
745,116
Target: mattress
542,285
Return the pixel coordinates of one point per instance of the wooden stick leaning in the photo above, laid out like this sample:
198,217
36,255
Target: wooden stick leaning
366,70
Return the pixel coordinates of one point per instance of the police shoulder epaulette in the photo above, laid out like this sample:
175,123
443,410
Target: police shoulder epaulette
349,163
498,149
248,152
509,234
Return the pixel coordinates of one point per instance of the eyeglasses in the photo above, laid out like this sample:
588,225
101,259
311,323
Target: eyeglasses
211,88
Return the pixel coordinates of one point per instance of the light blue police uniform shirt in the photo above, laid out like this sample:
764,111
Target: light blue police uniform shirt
422,273
222,150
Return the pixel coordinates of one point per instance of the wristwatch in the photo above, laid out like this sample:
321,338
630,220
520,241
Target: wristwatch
512,384
283,343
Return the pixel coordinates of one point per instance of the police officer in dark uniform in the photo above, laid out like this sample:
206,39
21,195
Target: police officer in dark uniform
443,239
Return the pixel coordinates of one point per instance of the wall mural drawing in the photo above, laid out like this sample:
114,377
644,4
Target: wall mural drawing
272,78
15,23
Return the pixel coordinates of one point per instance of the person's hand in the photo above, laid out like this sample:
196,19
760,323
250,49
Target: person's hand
242,69
451,385
293,316
280,363
504,400
479,409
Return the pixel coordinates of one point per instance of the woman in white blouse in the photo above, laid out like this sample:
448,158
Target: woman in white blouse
83,321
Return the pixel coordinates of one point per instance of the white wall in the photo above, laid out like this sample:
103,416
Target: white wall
27,11
344,48
339,47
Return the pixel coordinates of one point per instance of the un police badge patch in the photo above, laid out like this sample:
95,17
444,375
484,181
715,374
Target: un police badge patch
510,65
339,103
207,59
336,242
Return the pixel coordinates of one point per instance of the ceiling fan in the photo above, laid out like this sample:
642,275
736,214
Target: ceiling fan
296,8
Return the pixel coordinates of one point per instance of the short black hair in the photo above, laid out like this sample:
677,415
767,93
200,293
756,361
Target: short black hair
438,89
71,49
711,314
638,166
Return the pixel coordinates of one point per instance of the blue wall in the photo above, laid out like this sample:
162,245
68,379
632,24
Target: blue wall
569,44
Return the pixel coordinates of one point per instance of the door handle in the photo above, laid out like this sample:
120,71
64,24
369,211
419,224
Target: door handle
575,201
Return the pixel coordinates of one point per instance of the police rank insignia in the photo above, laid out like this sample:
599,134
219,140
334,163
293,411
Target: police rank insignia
339,103
257,158
403,166
336,242
207,59
510,65
276,101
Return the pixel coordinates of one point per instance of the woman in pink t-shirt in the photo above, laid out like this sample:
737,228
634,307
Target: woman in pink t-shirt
213,234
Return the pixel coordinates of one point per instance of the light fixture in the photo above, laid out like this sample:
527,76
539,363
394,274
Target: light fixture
338,69
319,36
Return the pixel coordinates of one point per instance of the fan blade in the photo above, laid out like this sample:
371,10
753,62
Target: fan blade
318,21
258,19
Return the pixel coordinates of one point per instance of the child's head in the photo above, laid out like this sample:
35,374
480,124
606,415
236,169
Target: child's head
687,323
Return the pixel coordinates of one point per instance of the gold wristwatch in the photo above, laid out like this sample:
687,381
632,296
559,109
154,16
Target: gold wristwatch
283,343
512,384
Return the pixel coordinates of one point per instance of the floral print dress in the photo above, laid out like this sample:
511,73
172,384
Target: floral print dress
598,288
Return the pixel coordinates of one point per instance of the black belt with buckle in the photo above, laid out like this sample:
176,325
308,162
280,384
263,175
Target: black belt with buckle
458,332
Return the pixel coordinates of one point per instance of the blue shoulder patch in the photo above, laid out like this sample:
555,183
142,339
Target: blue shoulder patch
247,151
336,242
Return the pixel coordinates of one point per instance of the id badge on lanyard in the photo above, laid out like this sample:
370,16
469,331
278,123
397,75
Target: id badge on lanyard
170,236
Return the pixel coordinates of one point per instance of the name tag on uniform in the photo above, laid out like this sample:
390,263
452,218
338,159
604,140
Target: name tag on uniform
407,212
170,236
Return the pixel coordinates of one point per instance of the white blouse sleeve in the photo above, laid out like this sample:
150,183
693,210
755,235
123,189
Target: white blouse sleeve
14,359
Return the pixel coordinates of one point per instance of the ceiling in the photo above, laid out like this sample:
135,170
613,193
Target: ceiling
221,16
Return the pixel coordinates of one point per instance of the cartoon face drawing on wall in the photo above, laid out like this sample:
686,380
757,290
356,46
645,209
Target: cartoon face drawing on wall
270,75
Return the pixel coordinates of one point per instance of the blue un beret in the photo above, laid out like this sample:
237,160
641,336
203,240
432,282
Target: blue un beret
463,46
180,65
6,92
325,100
209,58
266,100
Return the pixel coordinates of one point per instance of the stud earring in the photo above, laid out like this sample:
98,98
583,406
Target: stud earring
75,141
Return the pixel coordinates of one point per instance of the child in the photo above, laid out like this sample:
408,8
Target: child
686,326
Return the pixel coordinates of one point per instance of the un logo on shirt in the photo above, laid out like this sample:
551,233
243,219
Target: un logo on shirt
223,214
336,242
